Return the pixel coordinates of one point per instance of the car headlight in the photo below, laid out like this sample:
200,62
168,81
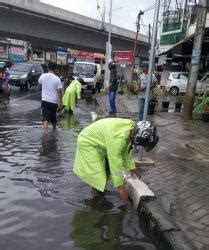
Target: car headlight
24,76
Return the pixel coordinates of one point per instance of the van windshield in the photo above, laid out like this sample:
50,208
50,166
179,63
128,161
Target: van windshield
21,67
81,69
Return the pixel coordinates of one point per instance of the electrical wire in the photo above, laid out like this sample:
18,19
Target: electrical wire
151,7
143,25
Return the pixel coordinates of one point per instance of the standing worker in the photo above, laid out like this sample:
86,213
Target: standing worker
103,150
113,86
143,87
72,93
51,87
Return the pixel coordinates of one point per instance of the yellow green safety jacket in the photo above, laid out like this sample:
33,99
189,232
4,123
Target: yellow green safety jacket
72,92
106,139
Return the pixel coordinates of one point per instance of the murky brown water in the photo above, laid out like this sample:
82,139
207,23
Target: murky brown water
43,205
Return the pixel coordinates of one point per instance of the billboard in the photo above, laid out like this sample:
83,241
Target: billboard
123,57
86,54
61,58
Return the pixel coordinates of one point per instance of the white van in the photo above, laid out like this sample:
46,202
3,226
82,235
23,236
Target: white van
89,72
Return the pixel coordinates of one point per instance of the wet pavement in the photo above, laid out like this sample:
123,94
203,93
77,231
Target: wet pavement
43,205
180,176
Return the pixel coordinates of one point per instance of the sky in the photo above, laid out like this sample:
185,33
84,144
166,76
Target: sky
124,17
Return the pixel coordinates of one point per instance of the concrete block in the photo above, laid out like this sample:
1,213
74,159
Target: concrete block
137,189
145,162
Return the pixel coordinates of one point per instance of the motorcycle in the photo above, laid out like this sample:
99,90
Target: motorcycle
5,88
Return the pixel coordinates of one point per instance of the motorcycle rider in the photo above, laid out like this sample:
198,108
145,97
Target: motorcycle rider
4,85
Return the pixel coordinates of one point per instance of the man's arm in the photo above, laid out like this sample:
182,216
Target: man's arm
40,83
115,159
39,87
59,91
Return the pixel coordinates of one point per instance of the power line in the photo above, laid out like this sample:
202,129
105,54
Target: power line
146,32
151,7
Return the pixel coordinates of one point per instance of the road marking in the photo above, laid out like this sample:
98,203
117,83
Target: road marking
17,99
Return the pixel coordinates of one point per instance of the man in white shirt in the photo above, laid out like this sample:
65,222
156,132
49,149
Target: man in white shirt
51,87
143,87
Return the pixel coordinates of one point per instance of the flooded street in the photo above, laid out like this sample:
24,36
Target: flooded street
43,205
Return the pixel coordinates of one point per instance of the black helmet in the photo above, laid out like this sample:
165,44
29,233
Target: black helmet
80,80
146,135
111,65
145,64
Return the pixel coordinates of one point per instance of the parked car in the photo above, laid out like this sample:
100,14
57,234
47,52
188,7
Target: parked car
25,75
177,82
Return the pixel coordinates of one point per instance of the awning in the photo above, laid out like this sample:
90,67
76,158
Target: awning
166,48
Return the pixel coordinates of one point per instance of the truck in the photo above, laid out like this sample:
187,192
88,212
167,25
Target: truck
90,73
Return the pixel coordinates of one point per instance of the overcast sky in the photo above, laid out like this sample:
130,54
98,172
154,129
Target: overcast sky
124,17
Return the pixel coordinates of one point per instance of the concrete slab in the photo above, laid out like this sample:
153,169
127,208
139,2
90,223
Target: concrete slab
137,189
145,162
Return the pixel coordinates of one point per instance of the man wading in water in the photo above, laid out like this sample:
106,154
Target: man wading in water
51,88
103,151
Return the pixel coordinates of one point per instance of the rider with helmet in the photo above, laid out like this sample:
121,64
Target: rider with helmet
103,151
4,84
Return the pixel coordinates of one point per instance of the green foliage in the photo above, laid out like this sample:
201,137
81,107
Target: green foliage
179,98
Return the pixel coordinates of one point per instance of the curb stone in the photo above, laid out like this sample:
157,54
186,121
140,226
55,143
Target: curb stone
164,228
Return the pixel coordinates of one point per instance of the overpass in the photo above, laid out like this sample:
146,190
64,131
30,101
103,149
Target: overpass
40,23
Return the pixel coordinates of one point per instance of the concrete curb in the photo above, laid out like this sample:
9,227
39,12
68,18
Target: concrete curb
164,228
137,189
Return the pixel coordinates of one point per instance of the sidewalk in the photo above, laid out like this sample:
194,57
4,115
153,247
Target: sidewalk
180,177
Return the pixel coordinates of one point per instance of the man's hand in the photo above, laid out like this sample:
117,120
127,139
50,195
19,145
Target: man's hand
107,88
39,87
60,108
141,88
136,172
123,194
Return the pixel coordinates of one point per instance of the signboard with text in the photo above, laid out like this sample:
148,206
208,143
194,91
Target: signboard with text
86,54
17,42
61,58
123,57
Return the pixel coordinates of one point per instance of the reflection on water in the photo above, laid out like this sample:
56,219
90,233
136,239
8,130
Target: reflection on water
49,145
68,121
107,229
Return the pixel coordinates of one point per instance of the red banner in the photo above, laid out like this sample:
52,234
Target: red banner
124,57
86,54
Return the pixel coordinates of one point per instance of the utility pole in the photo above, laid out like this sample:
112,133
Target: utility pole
151,65
152,58
195,61
135,43
149,34
108,49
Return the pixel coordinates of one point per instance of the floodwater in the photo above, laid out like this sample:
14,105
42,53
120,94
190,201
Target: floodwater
43,205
